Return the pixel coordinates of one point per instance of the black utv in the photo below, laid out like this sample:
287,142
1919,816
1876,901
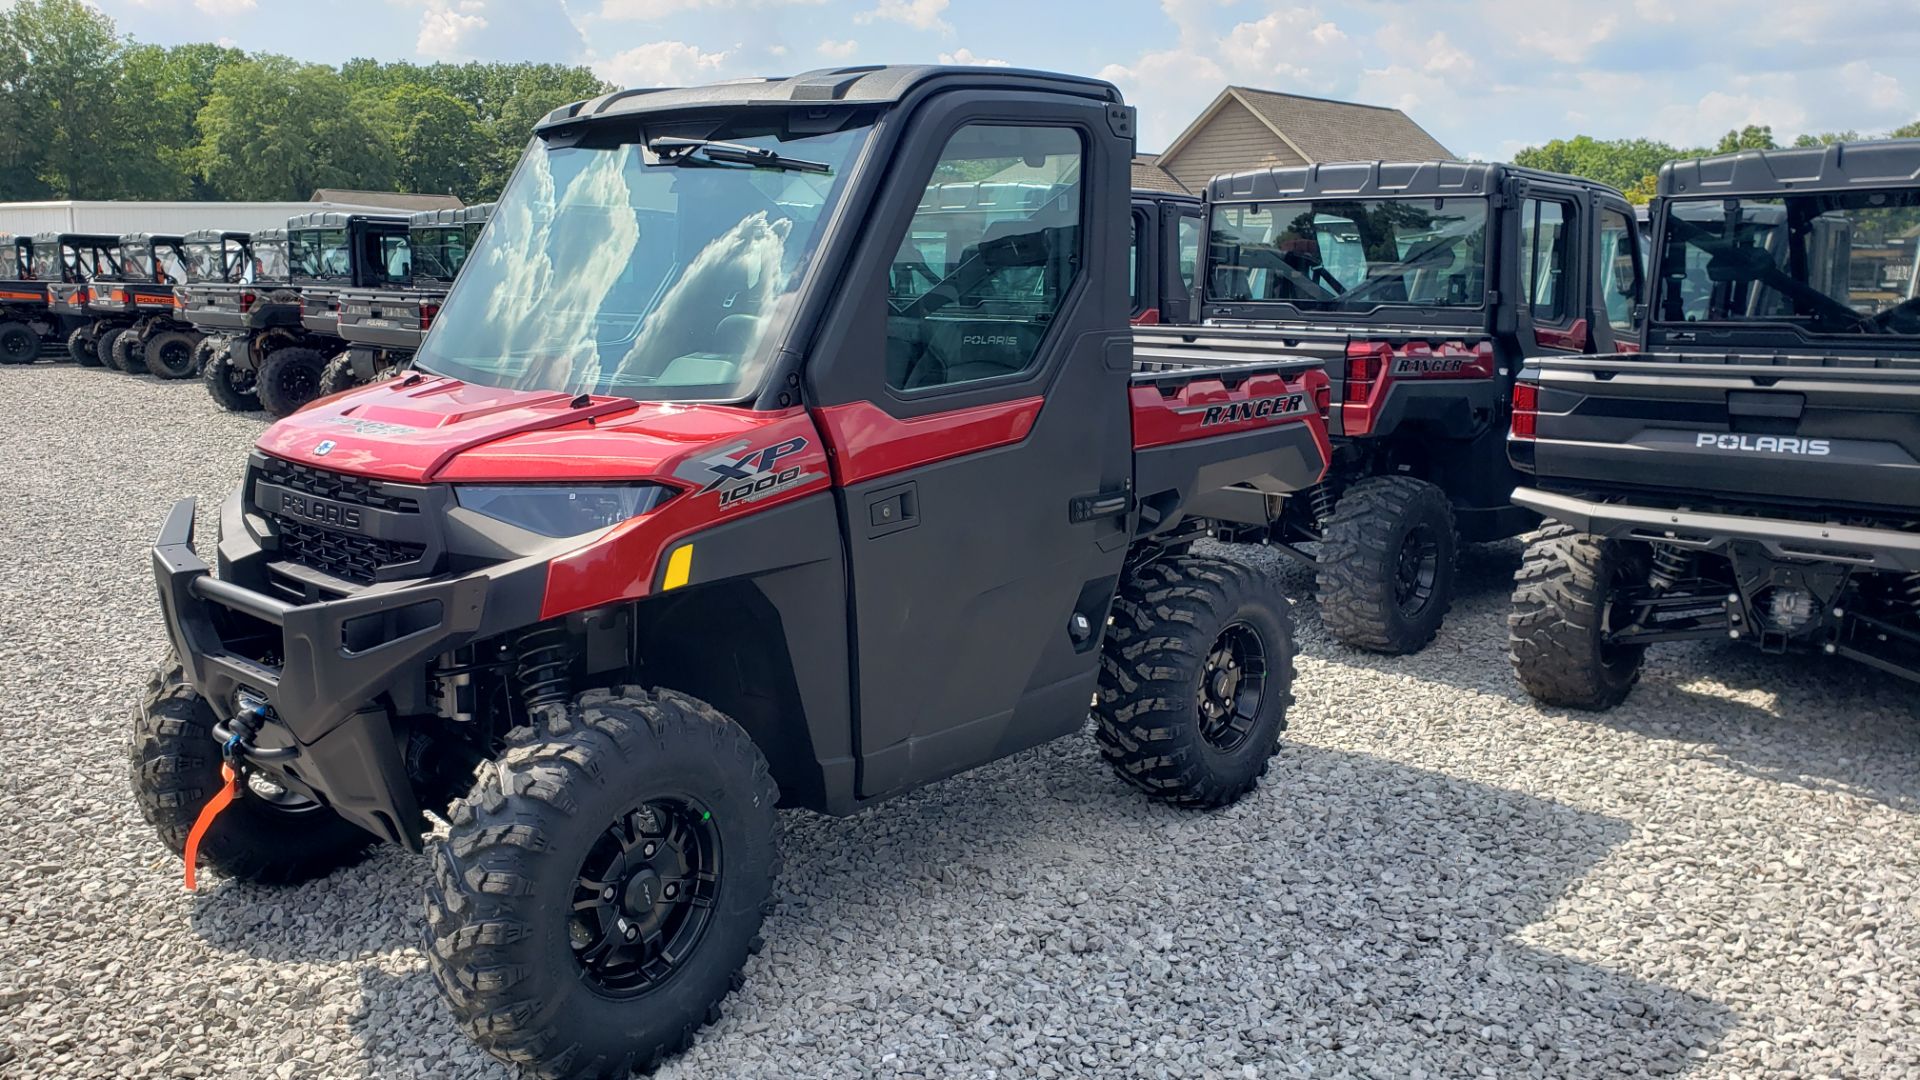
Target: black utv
215,259
1422,285
24,318
246,320
1750,475
149,332
68,265
382,327
1167,233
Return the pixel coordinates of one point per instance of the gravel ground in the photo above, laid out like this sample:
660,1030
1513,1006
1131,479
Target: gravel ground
1436,879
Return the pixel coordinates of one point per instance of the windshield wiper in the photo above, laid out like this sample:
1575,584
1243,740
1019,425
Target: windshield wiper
674,150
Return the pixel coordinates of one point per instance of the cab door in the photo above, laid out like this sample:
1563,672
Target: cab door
1550,274
1619,278
971,385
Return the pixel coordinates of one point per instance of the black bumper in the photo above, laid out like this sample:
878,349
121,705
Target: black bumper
332,733
1781,538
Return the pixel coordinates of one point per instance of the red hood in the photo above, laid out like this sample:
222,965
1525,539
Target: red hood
424,428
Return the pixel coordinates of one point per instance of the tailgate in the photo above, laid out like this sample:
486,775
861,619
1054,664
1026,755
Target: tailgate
1822,431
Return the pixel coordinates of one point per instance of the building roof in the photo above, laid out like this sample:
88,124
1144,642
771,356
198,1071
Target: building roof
1321,130
390,200
1149,176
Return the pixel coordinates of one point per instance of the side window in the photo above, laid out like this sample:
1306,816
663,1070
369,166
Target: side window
1134,269
992,273
1190,231
1617,269
1543,258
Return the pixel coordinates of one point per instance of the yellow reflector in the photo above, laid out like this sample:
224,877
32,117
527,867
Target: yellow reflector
679,568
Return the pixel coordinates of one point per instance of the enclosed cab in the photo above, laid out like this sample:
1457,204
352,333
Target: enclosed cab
383,326
68,264
24,318
1167,233
739,469
149,331
329,251
1422,285
1751,474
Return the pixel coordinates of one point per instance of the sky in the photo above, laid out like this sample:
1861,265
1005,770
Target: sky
1485,77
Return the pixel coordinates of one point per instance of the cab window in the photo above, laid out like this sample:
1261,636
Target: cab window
1618,269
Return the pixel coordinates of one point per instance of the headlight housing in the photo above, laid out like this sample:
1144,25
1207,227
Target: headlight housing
560,510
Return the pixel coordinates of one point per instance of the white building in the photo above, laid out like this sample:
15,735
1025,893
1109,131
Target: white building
117,218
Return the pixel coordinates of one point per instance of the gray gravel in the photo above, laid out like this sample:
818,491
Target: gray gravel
1437,878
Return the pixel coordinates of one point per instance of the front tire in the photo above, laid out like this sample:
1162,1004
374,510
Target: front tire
338,375
231,388
107,348
1556,633
264,837
174,355
18,343
1196,674
288,379
1385,568
601,887
80,346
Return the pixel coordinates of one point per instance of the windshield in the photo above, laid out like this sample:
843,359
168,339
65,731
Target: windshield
1350,254
136,260
320,254
46,262
204,262
439,252
1833,263
169,264
601,273
269,261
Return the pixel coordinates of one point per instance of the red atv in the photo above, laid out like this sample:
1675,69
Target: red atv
736,473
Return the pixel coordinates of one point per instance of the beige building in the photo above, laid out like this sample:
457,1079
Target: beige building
1246,128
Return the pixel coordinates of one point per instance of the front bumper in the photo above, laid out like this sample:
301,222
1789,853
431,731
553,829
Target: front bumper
335,674
1860,547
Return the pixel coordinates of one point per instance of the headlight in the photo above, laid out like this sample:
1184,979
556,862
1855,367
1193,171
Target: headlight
555,510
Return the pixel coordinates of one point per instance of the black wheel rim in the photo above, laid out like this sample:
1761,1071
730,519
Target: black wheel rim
175,357
645,896
299,382
1232,686
19,346
1416,569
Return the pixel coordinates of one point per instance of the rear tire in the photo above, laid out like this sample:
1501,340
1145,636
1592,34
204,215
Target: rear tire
106,347
80,346
1196,674
176,769
174,355
580,797
203,353
130,354
18,343
1556,631
1385,568
230,387
288,379
338,375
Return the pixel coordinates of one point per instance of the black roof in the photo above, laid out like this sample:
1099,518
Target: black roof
1839,166
151,238
337,219
1359,179
878,85
107,239
214,236
465,215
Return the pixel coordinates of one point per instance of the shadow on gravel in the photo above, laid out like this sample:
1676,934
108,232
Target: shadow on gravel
1352,916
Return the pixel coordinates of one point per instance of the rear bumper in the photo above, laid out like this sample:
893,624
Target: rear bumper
1782,538
341,664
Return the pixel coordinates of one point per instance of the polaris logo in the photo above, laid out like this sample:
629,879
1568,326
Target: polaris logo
1259,408
1429,365
325,448
320,511
1765,444
999,341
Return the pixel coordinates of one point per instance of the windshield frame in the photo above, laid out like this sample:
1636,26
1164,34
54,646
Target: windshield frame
1475,314
1760,330
816,271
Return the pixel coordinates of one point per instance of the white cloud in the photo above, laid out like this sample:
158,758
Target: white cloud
655,10
445,27
226,9
776,50
838,50
662,63
965,57
919,14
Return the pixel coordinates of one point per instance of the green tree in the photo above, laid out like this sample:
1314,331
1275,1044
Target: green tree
1911,131
437,139
276,129
1751,137
1628,164
60,65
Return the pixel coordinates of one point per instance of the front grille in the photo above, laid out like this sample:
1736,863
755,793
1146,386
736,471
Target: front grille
347,556
339,487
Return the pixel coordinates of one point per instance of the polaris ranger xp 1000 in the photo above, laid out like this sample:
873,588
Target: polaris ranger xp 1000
1422,285
1752,474
694,504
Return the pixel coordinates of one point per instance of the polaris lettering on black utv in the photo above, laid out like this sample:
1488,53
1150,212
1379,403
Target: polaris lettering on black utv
1754,473
327,252
383,327
67,265
25,320
1167,233
146,331
735,472
1422,285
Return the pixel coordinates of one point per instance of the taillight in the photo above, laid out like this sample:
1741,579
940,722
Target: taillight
1366,376
427,313
246,301
119,296
1526,410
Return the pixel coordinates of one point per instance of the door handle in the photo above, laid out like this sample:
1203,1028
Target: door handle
892,509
